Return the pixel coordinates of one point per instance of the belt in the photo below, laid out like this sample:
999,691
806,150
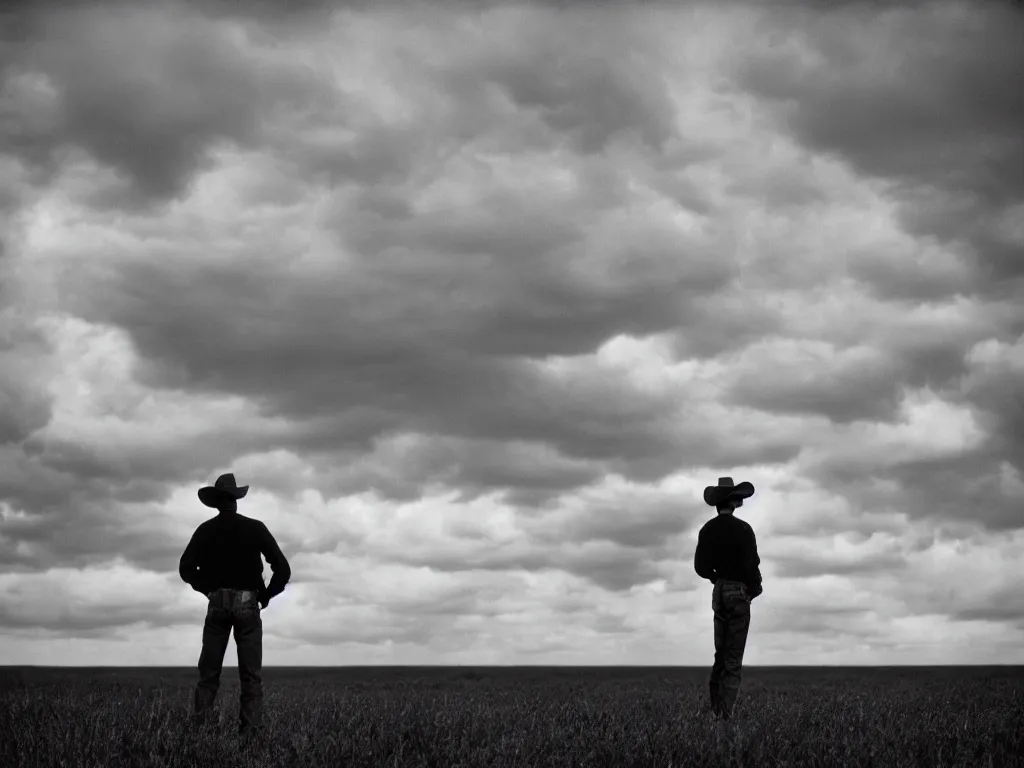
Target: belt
731,581
241,595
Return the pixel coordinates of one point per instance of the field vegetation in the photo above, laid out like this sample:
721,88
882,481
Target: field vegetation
451,717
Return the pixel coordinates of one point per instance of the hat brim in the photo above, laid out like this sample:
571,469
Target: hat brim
211,495
714,494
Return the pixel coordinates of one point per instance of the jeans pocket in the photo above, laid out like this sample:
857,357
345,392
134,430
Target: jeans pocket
734,596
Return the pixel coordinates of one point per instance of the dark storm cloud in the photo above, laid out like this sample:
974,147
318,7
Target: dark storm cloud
387,350
995,387
477,467
274,10
589,100
964,486
81,504
83,525
926,98
444,333
145,90
642,522
975,481
41,471
854,384
427,354
24,408
1003,605
429,331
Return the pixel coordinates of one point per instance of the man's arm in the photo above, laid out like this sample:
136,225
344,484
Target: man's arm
188,566
278,564
702,558
754,587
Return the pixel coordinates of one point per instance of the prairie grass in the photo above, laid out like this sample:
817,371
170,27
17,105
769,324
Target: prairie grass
475,718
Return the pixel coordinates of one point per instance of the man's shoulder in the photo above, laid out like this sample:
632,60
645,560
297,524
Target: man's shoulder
729,523
252,523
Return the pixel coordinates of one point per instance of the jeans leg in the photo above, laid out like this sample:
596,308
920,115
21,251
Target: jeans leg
216,631
714,683
735,641
249,641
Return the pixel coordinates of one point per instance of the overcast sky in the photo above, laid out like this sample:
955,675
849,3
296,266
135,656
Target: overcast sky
479,298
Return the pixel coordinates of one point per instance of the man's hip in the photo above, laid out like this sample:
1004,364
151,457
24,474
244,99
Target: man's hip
731,585
728,592
231,599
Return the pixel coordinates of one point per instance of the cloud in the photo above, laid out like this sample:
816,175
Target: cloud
993,384
844,385
147,95
478,303
815,558
85,604
928,116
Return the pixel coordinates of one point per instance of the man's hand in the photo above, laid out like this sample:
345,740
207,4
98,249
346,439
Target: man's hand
264,599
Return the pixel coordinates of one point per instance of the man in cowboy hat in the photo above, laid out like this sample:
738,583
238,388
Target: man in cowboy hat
727,556
222,561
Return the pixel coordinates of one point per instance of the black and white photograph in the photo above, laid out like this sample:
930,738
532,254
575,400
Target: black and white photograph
511,383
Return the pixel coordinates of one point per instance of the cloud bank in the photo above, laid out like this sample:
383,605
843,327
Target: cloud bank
479,300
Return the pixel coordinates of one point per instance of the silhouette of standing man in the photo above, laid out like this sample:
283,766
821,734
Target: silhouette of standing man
222,561
727,556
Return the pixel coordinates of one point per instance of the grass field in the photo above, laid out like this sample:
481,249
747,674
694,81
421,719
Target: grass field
519,717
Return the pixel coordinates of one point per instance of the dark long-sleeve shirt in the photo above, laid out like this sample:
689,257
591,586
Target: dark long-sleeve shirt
727,549
224,553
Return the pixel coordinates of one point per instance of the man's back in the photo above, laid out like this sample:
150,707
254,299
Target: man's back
727,549
224,553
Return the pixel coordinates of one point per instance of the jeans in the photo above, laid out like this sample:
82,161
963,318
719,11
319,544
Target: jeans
239,610
731,605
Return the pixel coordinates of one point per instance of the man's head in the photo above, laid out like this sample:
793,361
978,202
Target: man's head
728,506
224,494
727,496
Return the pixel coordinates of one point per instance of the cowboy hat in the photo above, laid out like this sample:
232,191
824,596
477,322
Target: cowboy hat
223,488
715,494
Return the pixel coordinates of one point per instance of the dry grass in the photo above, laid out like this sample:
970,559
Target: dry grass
519,717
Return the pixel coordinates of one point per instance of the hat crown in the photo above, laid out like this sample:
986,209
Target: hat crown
226,481
725,482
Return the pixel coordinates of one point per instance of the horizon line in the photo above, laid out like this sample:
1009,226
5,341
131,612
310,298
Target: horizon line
191,667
